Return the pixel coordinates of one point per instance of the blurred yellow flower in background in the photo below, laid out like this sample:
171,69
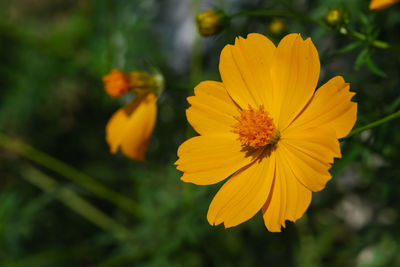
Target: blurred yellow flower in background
381,4
265,126
277,28
211,22
130,128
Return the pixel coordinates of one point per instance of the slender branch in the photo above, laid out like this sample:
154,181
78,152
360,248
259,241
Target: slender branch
373,124
71,173
271,13
353,34
76,203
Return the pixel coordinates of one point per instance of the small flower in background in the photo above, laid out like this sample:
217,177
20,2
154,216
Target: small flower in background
265,126
130,128
334,18
381,4
277,28
211,22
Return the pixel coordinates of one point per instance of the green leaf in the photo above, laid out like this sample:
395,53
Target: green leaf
374,68
361,59
395,104
364,19
348,48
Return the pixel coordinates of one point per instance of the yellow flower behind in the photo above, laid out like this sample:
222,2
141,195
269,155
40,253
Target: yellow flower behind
211,22
131,127
265,126
381,4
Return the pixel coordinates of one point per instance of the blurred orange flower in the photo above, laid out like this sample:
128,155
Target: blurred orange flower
116,83
381,4
131,127
265,126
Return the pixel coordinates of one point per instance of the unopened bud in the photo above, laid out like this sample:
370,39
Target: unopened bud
142,81
277,27
211,22
334,18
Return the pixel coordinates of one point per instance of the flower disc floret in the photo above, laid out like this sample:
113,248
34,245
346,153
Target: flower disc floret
255,128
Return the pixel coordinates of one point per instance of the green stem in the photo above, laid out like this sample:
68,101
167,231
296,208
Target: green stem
71,173
342,30
271,13
76,203
362,37
374,124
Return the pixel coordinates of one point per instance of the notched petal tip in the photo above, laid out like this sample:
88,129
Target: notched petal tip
273,228
211,218
229,225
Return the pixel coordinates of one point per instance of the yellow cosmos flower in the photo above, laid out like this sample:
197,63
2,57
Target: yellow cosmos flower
131,127
265,126
381,4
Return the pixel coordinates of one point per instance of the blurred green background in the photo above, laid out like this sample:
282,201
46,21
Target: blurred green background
53,55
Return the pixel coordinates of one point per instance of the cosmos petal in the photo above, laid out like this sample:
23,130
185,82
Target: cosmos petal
244,70
212,110
244,194
330,106
288,198
295,71
131,127
210,159
309,154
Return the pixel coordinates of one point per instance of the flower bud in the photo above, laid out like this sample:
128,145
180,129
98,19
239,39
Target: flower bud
277,28
142,81
211,22
334,17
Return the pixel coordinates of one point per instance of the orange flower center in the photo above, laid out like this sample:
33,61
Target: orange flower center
255,128
116,83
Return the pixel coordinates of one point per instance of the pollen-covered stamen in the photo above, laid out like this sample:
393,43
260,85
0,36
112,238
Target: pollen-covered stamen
255,128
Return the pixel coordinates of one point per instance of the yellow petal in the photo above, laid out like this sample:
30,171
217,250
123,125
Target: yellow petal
295,71
243,195
212,110
131,127
330,107
381,4
309,154
244,70
210,159
288,199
